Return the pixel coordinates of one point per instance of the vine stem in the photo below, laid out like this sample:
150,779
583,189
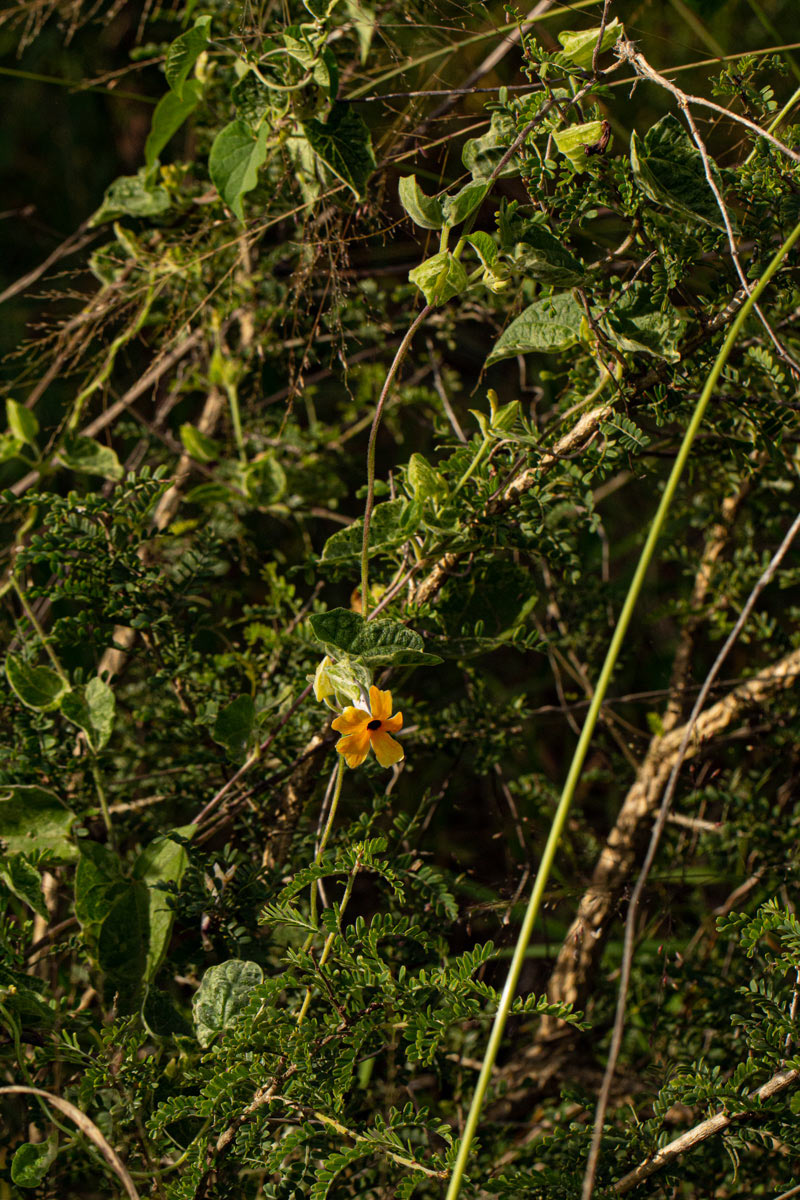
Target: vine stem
581,750
43,638
323,841
402,350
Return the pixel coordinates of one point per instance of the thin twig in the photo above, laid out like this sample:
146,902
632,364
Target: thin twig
628,53
400,354
702,1132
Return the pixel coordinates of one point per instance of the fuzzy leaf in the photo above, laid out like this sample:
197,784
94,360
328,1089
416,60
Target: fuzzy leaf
37,687
439,278
546,326
33,820
636,324
170,113
132,196
668,168
457,208
22,423
579,45
223,993
234,725
541,256
252,99
344,145
424,211
88,457
425,482
163,861
184,53
387,529
199,447
22,878
92,710
265,479
376,643
234,162
572,143
482,154
32,1161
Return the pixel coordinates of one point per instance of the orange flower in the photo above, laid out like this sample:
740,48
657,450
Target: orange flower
361,730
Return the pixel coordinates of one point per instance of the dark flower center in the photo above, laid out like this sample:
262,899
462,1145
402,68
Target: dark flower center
376,724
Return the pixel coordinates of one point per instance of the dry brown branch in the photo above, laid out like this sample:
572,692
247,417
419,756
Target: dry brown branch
578,437
627,53
715,544
582,948
702,1132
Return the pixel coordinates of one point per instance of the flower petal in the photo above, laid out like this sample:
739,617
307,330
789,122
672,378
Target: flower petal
387,750
394,723
380,703
351,720
354,747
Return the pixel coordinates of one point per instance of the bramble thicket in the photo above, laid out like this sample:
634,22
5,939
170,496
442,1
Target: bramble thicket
400,785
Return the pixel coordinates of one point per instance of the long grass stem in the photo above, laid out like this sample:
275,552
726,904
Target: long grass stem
579,757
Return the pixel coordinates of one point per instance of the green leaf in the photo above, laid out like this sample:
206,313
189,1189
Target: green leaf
10,447
37,687
386,530
163,861
122,943
579,45
32,1161
426,483
485,247
495,276
265,479
22,878
439,278
34,821
482,154
234,725
92,710
344,145
363,19
199,447
424,211
376,643
546,326
326,72
637,324
168,116
88,457
184,53
572,143
320,8
22,422
223,993
98,883
132,196
457,208
668,168
234,162
252,99
541,256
